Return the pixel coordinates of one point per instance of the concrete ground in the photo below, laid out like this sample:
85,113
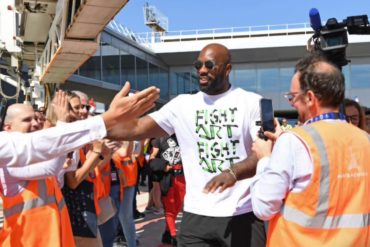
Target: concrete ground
151,227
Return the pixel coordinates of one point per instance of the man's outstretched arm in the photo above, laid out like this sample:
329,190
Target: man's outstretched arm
22,149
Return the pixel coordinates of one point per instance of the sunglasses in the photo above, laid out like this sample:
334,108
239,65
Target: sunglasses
208,64
86,106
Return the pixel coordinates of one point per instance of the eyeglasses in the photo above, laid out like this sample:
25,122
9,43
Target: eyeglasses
292,95
86,106
208,64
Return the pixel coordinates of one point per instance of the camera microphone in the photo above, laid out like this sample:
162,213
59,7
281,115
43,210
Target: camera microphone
315,19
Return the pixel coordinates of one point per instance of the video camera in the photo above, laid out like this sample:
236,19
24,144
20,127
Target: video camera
332,39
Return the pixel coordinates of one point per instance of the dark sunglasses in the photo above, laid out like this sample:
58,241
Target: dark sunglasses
208,64
86,106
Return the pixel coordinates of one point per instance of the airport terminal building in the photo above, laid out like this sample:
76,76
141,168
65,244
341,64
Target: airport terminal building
263,60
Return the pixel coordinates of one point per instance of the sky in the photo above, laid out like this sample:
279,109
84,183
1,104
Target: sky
207,14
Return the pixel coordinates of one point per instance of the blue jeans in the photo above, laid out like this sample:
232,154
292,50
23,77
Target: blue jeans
124,215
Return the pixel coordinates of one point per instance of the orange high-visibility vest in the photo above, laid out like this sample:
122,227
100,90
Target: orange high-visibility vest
334,209
37,216
102,183
141,159
93,180
128,168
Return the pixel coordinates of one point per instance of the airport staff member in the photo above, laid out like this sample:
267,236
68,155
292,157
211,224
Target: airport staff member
314,187
21,148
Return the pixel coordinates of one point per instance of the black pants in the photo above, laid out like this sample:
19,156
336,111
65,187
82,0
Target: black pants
241,230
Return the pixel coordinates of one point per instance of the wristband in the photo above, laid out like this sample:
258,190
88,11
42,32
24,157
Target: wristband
101,157
230,171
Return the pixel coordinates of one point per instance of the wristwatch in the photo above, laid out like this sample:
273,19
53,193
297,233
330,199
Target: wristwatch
101,157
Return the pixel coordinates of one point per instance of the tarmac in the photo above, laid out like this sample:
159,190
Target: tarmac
151,227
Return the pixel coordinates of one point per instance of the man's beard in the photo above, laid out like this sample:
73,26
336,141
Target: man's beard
213,87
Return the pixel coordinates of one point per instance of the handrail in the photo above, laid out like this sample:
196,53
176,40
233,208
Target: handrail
212,33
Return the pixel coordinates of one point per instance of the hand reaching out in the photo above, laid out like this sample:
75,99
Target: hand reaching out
61,107
125,108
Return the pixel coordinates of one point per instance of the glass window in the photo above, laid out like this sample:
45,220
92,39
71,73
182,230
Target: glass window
141,74
347,78
286,75
158,78
91,68
128,69
268,80
360,75
173,86
244,78
183,82
111,64
194,83
153,75
163,83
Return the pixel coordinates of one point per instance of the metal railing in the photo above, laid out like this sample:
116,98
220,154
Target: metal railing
224,33
123,30
148,38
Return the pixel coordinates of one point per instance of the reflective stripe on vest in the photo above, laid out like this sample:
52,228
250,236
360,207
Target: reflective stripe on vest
127,162
321,220
42,200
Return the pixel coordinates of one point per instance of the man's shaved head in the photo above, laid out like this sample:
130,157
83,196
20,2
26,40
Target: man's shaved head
21,118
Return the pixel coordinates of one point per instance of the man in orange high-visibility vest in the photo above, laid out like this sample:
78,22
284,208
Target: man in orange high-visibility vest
35,213
314,186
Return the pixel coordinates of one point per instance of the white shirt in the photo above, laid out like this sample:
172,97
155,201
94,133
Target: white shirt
14,179
289,168
20,149
218,129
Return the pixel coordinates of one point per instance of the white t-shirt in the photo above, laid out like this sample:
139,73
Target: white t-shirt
214,132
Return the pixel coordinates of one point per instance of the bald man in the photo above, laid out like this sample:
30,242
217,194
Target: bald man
21,118
36,183
215,129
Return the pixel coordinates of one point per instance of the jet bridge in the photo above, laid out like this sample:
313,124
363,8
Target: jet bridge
51,38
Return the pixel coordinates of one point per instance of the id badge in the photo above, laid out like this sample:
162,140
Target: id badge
113,176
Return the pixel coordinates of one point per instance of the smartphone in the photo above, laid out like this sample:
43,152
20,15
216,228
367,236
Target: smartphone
267,115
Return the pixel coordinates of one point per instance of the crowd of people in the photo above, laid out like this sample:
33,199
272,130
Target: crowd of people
306,185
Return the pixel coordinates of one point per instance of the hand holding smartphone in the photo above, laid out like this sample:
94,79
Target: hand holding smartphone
267,117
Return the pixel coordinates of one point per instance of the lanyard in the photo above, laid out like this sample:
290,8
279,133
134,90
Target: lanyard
329,115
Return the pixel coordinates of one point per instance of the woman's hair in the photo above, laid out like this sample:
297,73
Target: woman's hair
362,121
50,115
